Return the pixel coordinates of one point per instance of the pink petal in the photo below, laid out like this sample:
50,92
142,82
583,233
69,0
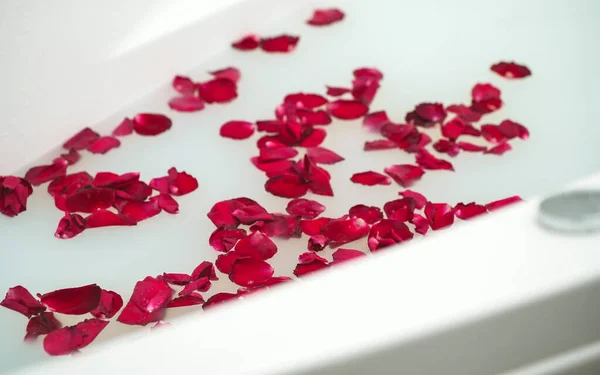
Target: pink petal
20,300
186,104
140,211
484,91
469,210
205,269
433,112
224,262
313,227
347,109
427,161
343,230
150,124
104,218
464,113
400,209
184,85
283,43
237,129
69,339
250,272
14,192
41,325
191,299
218,90
308,263
317,243
168,204
70,226
218,299
286,186
381,144
375,120
421,224
511,129
304,208
72,301
256,245
202,285
388,232
337,91
469,147
103,145
230,73
503,202
322,155
39,175
147,303
369,214
110,304
511,70
81,140
225,239
90,199
499,149
177,278
342,255
439,215
420,200
71,157
370,178
323,17
247,43
404,174
124,128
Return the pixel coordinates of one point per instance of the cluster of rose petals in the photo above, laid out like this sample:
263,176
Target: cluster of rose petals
278,44
193,96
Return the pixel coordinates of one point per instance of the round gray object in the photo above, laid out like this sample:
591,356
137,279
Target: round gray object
574,211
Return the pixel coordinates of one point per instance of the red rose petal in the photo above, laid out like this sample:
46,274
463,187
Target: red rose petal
103,145
492,133
269,126
381,144
421,224
286,186
14,192
124,128
403,135
464,113
304,208
176,183
281,44
41,325
439,215
337,91
314,139
140,211
72,301
372,73
20,300
486,106
454,128
69,339
317,243
342,255
502,203
168,204
191,299
115,181
511,129
147,303
313,227
323,17
284,226
347,109
218,90
469,210
499,149
71,157
369,214
184,85
343,230
200,285
469,147
309,262
322,155
218,299
205,269
81,140
375,120
44,173
370,178
511,70
237,129
445,146
420,200
221,213
271,154
104,218
70,226
484,91
404,174
110,304
177,278
400,209
433,112
149,124
230,73
388,232
186,104
427,161
256,245
250,272
224,262
225,239
364,90
302,100
251,213
247,43
90,199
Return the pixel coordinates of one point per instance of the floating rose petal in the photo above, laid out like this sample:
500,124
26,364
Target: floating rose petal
469,147
168,204
147,303
323,17
309,262
370,178
388,232
511,129
191,299
369,214
176,183
427,161
454,129
237,129
400,209
230,73
256,245
225,239
14,192
492,133
71,157
221,213
502,203
177,278
375,120
403,135
224,262
251,213
282,44
464,113
445,146
20,300
218,299
218,90
439,215
110,304
286,186
337,91
313,227
186,104
433,112
342,255
343,230
487,106
271,154
38,175
140,211
41,325
124,128
90,199
284,226
304,208
184,85
511,70
484,91
421,224
404,174
72,301
347,109
70,226
70,339
81,140
371,73
151,124
205,269
302,100
247,43
269,126
317,243
364,89
322,155
499,149
201,285
104,218
250,272
469,210
420,200
381,144
103,145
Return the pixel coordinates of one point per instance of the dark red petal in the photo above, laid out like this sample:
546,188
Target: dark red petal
200,285
286,186
186,104
256,245
224,239
218,299
314,139
469,147
221,213
269,126
69,339
492,133
250,272
347,109
372,73
20,300
181,183
421,224
364,90
284,226
402,135
323,17
322,155
400,209
454,129
38,175
502,203
304,208
191,299
484,91
342,255
177,278
317,243
434,112
445,146
70,226
499,149
375,120
309,262
381,144
124,128
147,303
439,215
511,129
237,129
469,210
369,214
344,230
115,181
224,262
71,157
370,178
72,301
337,91
251,213
104,218
103,145
205,269
110,304
427,161
230,73
81,140
404,174
41,325
151,124
487,106
140,211
218,90
247,43
511,70
283,43
90,199
302,100
168,204
388,232
464,112
420,200
313,227
279,153
184,85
